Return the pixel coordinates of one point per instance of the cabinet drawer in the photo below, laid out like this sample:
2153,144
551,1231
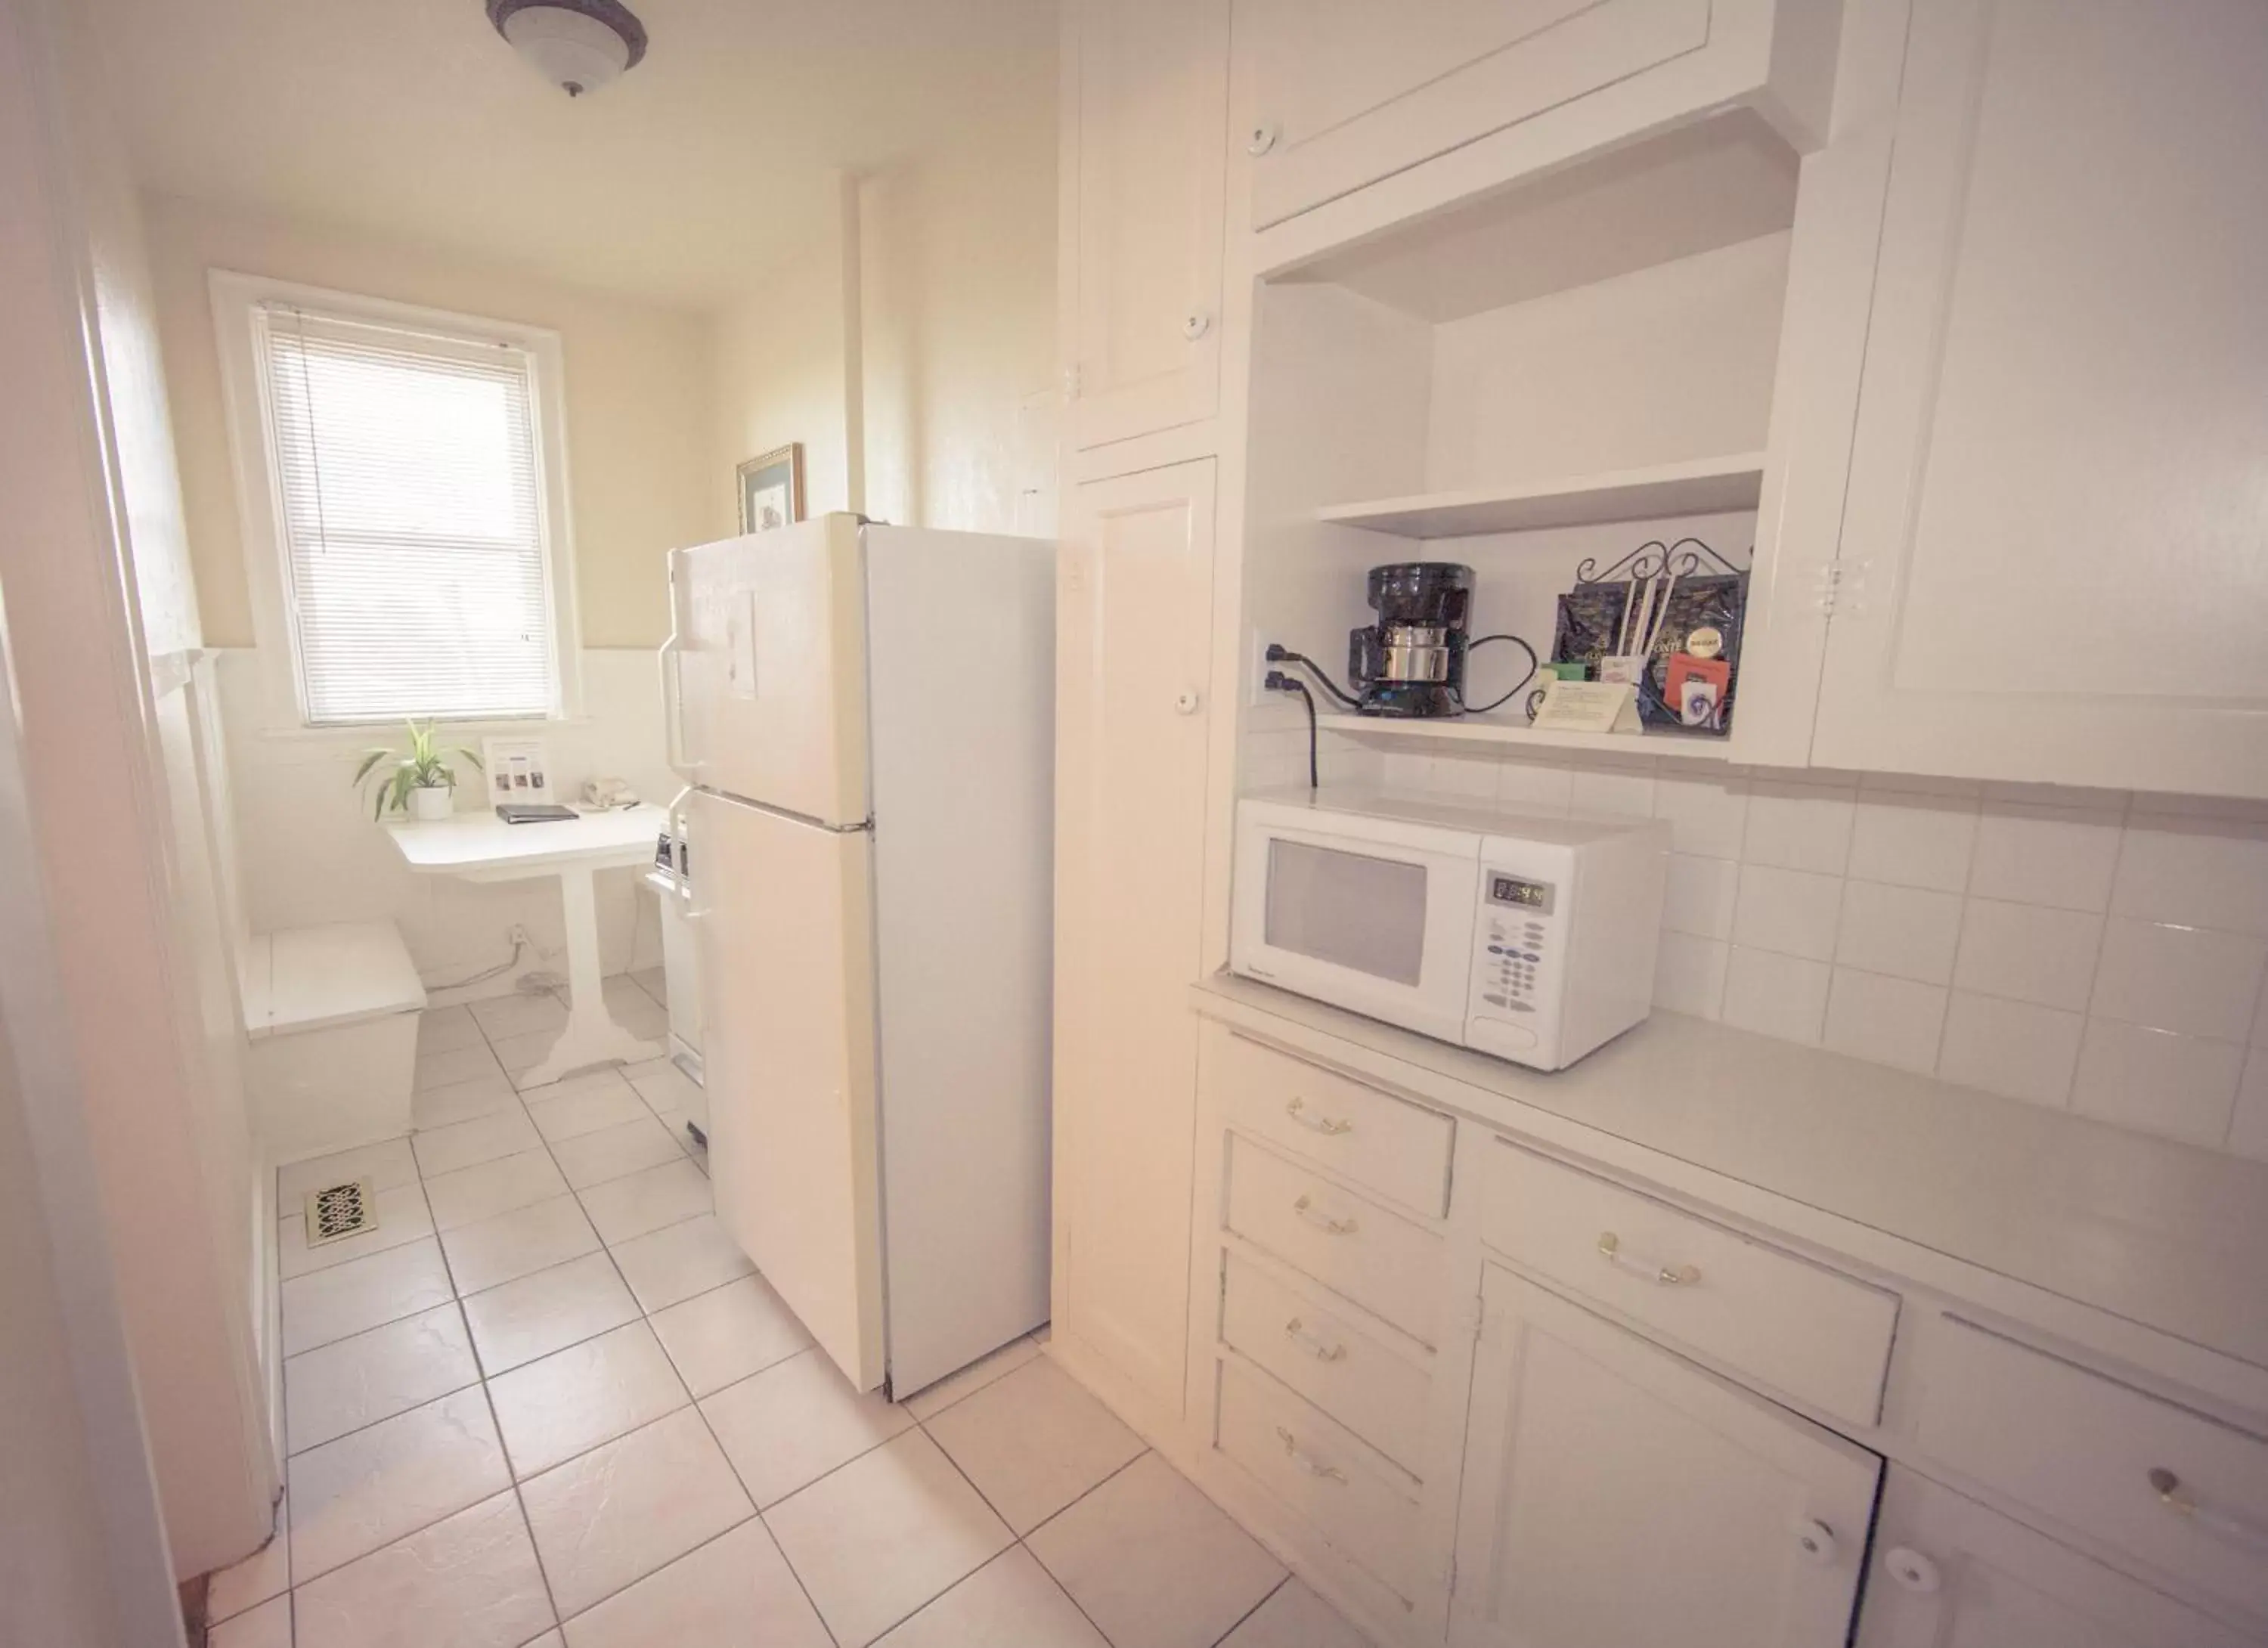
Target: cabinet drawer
1358,1503
1821,1337
1398,1150
1350,1244
1320,1353
2082,1448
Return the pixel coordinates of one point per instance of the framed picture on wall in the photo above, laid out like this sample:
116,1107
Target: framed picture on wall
771,489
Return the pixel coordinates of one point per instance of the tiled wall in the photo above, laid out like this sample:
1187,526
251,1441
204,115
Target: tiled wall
2086,949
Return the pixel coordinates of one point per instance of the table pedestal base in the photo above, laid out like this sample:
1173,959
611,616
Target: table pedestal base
592,1036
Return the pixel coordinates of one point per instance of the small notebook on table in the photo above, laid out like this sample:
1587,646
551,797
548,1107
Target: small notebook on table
523,813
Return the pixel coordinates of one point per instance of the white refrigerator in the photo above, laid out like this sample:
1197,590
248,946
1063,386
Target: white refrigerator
865,716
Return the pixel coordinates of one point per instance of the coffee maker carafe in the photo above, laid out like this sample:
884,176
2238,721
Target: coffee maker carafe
1411,662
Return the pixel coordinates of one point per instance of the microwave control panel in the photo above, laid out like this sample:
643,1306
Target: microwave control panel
1516,962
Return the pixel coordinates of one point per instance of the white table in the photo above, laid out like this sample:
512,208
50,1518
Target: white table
481,847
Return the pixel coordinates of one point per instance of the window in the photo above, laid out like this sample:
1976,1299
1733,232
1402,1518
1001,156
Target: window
408,468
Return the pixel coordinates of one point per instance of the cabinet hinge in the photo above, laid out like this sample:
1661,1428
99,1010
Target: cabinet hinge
1477,1314
1843,588
1449,1574
1071,381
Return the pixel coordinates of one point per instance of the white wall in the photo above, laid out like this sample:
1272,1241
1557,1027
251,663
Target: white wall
638,377
784,368
958,277
90,563
310,852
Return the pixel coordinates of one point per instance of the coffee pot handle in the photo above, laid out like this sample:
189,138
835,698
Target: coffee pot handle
1366,657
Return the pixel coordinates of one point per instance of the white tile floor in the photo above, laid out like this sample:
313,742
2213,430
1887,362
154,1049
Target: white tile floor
547,1404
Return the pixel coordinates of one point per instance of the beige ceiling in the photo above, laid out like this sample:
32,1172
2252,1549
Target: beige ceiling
707,163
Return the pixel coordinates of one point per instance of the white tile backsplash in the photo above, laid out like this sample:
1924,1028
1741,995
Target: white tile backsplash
2059,857
2028,951
1799,827
2191,980
1776,995
1793,912
2076,948
2158,1082
1912,840
1887,1020
2011,1048
1907,932
1698,899
2200,873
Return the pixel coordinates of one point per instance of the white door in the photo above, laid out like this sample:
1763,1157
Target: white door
783,918
1948,1573
1344,91
766,670
1133,643
1145,117
2054,555
1616,1495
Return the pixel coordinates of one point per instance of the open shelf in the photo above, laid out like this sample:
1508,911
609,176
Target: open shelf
1506,734
1706,486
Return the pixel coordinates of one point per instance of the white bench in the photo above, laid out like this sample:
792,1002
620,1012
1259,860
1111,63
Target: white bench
332,1014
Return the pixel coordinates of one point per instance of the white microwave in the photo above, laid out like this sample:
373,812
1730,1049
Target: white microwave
1531,938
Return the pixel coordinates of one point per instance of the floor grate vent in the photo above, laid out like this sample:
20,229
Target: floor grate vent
341,1211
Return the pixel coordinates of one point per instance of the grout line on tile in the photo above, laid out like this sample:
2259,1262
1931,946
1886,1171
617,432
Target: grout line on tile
1256,1607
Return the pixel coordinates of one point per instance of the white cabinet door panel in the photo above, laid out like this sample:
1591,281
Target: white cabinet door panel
1134,601
1616,1494
1146,117
1948,1573
2054,554
1347,92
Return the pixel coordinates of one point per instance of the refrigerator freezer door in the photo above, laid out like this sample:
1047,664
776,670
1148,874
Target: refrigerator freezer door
784,921
766,674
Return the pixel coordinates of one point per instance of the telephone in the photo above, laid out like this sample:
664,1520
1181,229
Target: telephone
608,792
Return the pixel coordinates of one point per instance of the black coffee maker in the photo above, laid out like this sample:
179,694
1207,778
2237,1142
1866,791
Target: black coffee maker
1411,662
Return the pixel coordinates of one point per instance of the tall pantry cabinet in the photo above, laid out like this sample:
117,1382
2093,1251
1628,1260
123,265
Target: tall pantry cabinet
1144,144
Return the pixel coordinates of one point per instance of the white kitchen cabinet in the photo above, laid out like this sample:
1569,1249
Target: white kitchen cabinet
1949,1573
1133,646
1616,1494
1342,93
2053,561
1145,132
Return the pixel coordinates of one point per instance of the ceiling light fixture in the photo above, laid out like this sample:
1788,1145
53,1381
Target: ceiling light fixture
579,45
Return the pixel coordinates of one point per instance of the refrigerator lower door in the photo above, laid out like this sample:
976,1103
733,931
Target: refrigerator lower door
783,922
764,677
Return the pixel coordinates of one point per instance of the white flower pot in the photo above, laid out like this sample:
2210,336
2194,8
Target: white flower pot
430,804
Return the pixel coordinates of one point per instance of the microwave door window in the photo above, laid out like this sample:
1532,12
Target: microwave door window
1348,909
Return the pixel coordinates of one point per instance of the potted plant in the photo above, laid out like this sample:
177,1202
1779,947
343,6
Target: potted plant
420,783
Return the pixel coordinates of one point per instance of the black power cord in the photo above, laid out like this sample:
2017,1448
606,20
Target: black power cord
1533,664
1279,654
1278,682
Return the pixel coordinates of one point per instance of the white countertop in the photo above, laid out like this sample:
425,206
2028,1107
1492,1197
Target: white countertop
2161,1234
481,845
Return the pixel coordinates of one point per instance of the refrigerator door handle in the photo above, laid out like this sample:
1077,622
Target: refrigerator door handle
672,704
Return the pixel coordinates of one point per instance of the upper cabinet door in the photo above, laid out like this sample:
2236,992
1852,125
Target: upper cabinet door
2054,553
1346,91
1146,128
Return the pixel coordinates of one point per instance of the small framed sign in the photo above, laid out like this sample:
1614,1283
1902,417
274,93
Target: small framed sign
771,489
518,769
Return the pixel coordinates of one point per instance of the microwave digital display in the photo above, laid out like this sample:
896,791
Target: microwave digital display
1536,895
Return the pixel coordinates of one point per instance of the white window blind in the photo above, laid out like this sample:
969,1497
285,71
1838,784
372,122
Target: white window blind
416,566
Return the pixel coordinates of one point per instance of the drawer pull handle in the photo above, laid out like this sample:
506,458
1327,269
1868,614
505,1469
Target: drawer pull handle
2221,1524
1313,1467
1321,1220
1297,1111
1296,1331
1611,1249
